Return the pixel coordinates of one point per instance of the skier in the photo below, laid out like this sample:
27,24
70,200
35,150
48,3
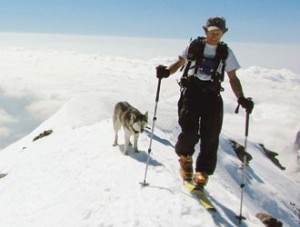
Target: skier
200,107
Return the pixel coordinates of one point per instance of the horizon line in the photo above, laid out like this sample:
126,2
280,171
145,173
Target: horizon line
91,35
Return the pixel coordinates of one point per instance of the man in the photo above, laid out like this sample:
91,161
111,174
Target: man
200,107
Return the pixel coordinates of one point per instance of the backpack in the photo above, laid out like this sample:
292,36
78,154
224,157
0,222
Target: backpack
195,53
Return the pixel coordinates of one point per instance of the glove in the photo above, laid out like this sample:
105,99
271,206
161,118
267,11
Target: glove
162,72
246,103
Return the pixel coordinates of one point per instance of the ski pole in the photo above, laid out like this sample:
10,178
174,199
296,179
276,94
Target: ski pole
144,183
240,217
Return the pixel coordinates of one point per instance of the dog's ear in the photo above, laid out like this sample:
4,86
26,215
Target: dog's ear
146,115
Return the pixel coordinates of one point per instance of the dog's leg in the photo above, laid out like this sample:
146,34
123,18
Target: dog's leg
117,127
126,141
116,139
135,142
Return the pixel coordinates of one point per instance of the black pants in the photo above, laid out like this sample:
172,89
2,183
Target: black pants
200,116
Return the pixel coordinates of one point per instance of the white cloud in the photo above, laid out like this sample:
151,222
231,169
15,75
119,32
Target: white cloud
5,118
4,132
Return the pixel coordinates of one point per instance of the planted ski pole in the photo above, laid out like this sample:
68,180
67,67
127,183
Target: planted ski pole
240,217
144,183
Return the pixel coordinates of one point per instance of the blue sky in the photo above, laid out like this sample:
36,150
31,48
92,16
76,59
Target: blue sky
266,21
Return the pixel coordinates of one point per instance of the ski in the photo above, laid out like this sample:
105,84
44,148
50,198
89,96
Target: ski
200,195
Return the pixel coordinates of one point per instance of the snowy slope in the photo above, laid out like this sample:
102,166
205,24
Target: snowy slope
75,177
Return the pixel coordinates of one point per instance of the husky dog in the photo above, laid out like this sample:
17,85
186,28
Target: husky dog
133,122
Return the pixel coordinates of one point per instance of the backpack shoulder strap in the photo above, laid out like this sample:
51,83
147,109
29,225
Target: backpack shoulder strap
195,51
222,51
196,48
221,56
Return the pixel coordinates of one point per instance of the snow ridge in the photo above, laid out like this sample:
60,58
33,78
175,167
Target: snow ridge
74,177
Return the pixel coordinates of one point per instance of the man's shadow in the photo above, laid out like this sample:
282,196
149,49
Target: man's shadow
158,139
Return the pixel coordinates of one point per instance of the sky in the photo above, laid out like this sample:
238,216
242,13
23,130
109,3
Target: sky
264,21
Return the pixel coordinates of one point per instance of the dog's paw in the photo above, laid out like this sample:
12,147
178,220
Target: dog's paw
136,150
125,152
115,144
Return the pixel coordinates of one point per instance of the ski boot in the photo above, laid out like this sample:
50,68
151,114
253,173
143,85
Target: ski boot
186,167
200,179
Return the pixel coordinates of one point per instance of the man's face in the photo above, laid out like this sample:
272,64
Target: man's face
213,37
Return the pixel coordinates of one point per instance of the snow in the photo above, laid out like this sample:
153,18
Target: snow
75,177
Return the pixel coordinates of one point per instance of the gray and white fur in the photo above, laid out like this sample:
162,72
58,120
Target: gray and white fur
132,121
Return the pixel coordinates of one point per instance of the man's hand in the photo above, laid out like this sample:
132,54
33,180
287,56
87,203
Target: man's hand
162,72
246,103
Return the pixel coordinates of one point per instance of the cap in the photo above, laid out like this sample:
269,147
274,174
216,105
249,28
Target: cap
214,23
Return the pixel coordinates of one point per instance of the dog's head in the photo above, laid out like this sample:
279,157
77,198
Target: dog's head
139,122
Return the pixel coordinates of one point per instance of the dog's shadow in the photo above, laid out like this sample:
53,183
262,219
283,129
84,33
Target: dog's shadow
140,156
